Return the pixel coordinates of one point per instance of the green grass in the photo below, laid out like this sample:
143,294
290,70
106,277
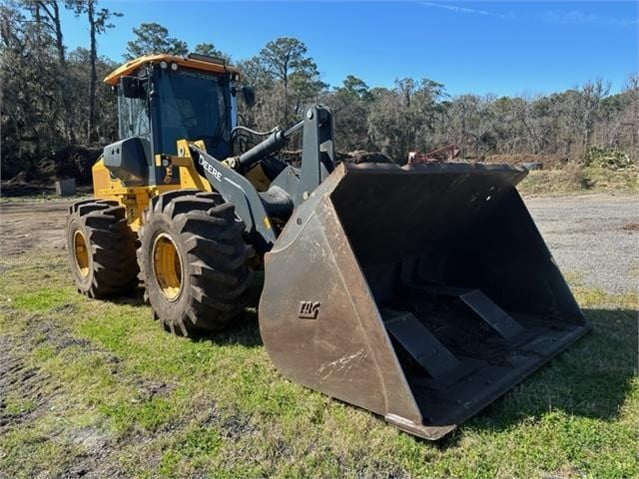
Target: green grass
44,299
577,179
15,404
164,406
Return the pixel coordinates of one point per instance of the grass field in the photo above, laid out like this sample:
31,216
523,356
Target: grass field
98,388
577,179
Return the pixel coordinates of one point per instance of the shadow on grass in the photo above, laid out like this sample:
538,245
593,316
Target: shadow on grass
245,332
592,378
244,329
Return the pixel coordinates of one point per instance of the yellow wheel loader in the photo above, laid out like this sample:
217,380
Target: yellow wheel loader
421,293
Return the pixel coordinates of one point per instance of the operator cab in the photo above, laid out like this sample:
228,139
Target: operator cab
162,99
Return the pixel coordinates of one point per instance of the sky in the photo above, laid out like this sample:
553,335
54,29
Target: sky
503,47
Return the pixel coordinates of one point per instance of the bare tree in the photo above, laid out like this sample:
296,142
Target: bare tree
591,95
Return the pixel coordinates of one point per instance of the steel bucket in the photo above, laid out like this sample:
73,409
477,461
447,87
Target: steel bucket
419,293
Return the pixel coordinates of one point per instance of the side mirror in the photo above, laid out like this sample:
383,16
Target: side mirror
249,96
132,87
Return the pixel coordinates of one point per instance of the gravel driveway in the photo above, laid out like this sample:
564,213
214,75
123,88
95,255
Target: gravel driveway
594,236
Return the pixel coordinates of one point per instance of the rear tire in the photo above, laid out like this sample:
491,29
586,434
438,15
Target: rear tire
101,249
194,262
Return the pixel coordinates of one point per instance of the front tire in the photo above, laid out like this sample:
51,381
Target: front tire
194,262
101,249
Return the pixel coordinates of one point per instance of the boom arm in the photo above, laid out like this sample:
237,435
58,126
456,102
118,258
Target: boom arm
291,187
239,191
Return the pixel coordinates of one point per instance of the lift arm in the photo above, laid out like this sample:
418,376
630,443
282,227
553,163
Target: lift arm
292,186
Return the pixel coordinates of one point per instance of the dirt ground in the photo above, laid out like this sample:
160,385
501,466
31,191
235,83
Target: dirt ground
32,224
592,236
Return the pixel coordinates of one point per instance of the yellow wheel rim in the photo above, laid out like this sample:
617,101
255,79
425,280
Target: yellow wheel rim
167,266
81,253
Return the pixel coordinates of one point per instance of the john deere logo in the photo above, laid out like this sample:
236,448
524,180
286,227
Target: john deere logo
309,309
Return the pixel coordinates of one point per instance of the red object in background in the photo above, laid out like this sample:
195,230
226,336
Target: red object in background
435,156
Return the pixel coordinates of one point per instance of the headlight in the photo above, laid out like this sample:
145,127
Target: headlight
163,65
174,66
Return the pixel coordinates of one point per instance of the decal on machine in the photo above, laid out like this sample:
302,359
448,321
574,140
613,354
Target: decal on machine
217,174
308,309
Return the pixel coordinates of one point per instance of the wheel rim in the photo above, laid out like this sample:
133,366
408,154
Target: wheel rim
81,253
167,266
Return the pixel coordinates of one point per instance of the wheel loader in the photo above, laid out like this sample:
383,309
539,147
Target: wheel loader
421,293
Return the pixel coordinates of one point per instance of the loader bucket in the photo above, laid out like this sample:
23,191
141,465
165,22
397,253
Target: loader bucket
419,293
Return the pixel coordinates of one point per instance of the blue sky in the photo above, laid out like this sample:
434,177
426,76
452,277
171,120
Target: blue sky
482,47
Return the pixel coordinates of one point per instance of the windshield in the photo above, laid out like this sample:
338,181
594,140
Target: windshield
194,106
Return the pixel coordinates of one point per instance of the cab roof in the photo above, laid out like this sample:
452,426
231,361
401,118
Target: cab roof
200,63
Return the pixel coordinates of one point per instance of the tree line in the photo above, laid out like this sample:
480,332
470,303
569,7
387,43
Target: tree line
52,97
